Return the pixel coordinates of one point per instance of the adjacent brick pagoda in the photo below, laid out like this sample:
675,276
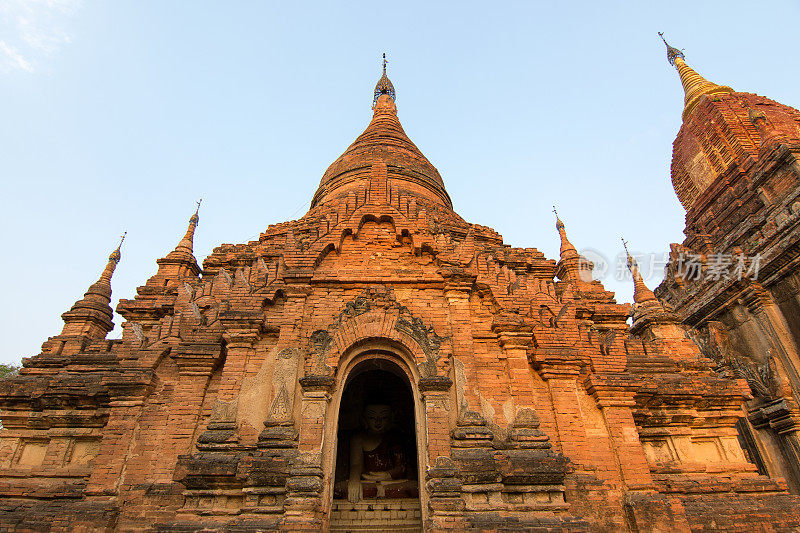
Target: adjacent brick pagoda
736,169
236,388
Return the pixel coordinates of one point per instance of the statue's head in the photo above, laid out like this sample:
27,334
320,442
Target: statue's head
377,417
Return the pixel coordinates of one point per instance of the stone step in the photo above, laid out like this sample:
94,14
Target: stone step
376,529
376,515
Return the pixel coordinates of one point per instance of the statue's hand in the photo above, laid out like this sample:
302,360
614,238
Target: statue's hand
355,492
376,476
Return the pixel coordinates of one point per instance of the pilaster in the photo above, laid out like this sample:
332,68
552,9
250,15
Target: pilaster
127,397
240,336
196,364
304,508
560,369
615,397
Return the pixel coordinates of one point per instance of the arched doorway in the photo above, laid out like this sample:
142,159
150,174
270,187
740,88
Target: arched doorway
376,485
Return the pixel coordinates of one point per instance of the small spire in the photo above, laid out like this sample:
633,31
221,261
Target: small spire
559,224
187,243
567,249
384,85
695,86
641,293
116,255
180,263
571,266
92,314
113,259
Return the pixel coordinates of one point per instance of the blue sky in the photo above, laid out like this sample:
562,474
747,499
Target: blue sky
119,115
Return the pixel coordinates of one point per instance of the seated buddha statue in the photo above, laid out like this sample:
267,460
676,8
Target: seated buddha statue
378,465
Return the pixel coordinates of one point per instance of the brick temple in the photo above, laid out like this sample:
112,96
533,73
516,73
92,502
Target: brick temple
382,364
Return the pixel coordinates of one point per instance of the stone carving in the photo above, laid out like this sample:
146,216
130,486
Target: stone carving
427,339
284,379
424,335
222,281
319,342
761,378
513,286
460,382
240,280
554,322
352,309
187,290
376,298
139,338
607,341
729,362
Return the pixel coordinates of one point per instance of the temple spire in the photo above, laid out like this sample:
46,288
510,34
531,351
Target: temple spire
180,263
567,249
694,85
641,293
92,315
569,264
650,318
384,85
187,243
113,260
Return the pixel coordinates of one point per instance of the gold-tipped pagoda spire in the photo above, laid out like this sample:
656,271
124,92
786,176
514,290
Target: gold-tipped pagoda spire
569,263
92,315
695,86
180,263
187,243
384,85
641,293
567,249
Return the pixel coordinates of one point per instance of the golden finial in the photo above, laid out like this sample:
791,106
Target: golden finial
631,260
384,86
567,249
195,218
559,224
116,255
186,244
640,291
672,52
113,259
694,85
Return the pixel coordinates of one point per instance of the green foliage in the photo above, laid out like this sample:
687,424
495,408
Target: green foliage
7,371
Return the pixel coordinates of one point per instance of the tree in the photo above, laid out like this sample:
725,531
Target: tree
7,371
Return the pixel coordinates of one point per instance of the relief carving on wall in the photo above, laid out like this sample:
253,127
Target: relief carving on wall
322,341
424,335
760,373
319,343
762,378
284,379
